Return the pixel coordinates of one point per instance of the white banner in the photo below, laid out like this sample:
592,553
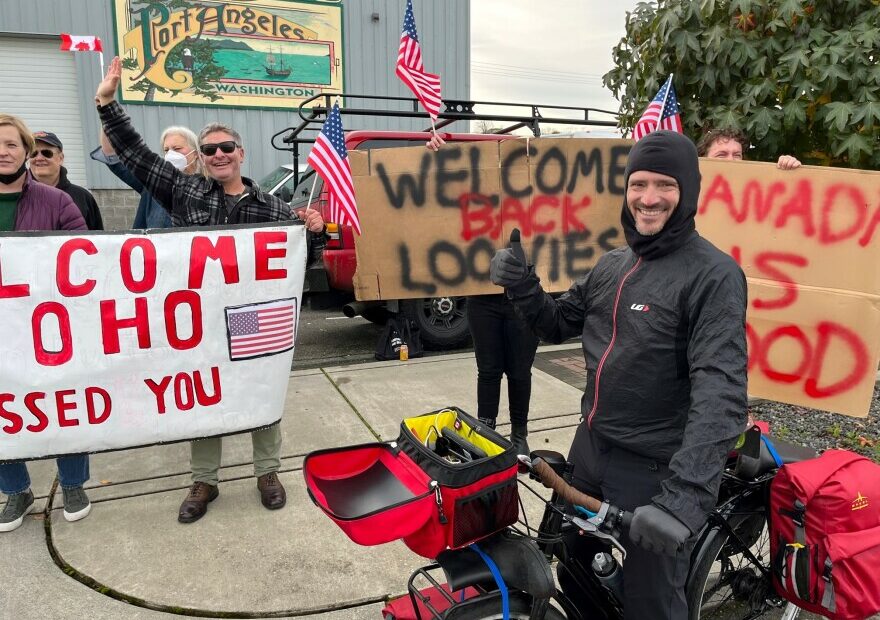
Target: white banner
116,340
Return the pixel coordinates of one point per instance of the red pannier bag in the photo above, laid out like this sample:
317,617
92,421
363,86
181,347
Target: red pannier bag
380,492
825,535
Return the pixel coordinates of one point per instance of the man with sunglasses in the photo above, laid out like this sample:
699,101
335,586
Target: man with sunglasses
223,196
47,166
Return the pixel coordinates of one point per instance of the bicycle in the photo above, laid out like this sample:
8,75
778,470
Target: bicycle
730,575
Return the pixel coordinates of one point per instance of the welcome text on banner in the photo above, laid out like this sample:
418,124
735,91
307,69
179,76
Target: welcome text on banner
119,340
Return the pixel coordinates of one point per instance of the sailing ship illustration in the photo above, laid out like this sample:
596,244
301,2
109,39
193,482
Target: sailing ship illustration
276,69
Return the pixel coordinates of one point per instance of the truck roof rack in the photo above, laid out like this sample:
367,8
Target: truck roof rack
290,138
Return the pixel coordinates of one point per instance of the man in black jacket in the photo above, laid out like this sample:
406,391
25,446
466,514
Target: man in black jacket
47,166
662,322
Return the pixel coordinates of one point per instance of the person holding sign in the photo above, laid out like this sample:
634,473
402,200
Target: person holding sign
26,204
221,197
662,321
731,143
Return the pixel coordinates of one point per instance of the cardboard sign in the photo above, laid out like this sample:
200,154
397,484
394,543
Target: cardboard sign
805,239
119,340
431,222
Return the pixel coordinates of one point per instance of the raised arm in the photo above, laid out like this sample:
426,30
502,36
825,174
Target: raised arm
157,175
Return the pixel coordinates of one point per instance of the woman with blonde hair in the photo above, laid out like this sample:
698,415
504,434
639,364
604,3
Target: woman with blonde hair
181,148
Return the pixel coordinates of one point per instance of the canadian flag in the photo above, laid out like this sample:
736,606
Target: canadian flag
73,43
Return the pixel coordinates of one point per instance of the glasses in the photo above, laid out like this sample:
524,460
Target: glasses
211,149
47,153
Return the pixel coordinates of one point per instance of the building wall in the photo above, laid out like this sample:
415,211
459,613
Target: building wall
370,50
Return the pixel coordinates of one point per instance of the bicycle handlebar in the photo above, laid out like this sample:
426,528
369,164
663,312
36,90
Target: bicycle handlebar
554,481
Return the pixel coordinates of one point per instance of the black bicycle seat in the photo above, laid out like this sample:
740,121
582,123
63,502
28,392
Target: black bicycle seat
755,457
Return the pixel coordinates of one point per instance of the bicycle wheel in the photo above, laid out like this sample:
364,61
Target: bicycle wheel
488,607
727,585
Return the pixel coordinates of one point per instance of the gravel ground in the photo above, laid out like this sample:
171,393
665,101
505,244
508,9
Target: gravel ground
821,430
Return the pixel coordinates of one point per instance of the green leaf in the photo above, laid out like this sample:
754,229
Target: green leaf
838,113
867,114
855,146
870,38
794,113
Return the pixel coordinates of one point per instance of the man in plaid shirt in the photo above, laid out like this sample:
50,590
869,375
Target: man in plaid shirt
221,197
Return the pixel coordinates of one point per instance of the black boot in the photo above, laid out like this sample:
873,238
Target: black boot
490,422
518,434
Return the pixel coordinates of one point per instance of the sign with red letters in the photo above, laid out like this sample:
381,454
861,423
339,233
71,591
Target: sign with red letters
116,340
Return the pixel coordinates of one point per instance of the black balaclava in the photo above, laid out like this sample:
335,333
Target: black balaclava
672,154
6,179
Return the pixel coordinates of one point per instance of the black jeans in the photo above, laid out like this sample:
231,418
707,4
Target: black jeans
503,345
654,585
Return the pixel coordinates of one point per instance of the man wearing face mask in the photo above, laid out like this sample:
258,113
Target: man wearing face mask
662,321
47,166
180,146
221,197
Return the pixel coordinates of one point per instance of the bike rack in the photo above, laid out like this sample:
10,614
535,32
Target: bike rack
415,593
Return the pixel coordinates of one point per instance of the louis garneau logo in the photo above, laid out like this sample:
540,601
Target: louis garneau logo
640,307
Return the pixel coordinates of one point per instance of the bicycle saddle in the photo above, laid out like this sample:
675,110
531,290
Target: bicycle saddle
755,458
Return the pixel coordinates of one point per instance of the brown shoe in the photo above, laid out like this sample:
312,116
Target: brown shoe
195,505
271,491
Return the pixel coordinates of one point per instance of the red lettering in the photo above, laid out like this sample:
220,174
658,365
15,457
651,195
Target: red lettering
111,324
800,206
763,262
62,270
30,401
482,217
15,422
43,356
263,254
538,203
512,209
859,357
91,393
865,239
148,253
570,221
857,200
183,392
10,291
62,406
753,193
720,190
223,250
172,302
201,395
158,390
788,331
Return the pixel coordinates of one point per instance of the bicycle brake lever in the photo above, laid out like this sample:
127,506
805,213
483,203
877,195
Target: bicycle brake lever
592,528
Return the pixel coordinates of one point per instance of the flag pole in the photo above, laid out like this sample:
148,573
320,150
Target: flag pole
312,193
101,61
666,96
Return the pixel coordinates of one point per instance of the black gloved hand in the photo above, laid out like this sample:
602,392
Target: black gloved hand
657,531
508,266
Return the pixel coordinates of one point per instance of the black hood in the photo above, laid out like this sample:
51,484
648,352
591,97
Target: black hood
672,154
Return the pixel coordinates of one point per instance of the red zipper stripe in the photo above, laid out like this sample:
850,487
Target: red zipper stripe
610,344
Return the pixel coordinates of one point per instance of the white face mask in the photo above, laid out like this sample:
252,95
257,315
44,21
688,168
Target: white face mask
176,159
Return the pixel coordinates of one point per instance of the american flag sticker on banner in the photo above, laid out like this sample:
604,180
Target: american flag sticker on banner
262,329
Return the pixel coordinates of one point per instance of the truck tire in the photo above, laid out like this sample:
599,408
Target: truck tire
442,321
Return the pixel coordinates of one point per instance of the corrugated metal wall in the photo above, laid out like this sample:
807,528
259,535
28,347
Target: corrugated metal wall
370,50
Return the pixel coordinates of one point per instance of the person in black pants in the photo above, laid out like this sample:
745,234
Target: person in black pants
503,345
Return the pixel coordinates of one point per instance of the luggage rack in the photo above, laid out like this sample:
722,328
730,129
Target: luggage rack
290,138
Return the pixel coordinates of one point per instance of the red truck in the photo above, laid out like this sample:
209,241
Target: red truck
441,320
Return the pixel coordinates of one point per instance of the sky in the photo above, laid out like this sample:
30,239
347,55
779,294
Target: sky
552,52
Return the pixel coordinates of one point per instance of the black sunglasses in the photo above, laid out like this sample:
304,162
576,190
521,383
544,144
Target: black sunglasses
211,149
47,153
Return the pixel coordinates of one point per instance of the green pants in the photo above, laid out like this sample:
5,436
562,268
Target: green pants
206,454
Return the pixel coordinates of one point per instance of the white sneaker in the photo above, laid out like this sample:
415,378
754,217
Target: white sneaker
76,504
17,507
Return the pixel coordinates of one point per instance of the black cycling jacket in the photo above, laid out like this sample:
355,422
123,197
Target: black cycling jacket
664,342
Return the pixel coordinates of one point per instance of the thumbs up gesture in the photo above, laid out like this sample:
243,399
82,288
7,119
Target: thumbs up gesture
509,266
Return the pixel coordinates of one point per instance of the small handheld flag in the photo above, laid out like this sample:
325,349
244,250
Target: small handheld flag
411,69
662,113
329,158
75,43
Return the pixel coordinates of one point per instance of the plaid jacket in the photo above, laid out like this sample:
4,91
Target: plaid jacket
192,200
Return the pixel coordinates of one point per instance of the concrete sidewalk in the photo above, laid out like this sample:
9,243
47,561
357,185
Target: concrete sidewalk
242,560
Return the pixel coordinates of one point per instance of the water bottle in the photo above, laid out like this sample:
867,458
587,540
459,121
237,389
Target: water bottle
608,571
396,342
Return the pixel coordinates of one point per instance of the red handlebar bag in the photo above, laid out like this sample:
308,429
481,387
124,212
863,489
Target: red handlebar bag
373,492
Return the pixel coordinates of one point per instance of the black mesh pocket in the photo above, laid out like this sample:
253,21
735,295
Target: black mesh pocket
485,512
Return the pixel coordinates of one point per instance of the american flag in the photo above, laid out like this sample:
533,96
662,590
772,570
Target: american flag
329,158
261,329
663,113
411,70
